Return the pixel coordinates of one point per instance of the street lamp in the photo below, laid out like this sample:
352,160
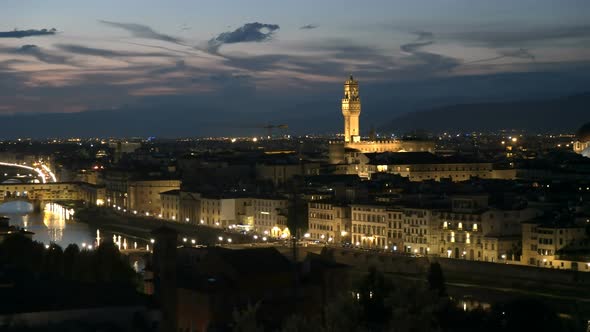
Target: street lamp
152,241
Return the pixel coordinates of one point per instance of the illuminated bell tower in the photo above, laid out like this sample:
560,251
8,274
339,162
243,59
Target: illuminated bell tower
351,110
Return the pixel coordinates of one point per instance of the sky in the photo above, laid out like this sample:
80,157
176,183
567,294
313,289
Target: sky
262,61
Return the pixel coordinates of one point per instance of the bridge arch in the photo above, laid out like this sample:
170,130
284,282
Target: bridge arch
22,206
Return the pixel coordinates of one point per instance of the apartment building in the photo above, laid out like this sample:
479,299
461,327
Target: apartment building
550,244
329,222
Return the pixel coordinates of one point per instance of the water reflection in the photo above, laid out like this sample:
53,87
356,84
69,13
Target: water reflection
56,224
53,224
54,218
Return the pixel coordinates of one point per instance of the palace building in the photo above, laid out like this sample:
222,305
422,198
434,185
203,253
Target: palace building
582,143
351,111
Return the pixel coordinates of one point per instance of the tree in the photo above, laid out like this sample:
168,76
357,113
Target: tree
436,279
371,293
246,320
71,257
53,261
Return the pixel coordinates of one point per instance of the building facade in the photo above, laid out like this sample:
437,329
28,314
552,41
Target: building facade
143,197
329,222
543,243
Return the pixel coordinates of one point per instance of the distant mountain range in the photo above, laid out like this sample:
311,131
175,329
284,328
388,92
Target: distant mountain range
542,116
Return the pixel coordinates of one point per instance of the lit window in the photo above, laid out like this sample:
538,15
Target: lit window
452,236
474,227
460,225
445,225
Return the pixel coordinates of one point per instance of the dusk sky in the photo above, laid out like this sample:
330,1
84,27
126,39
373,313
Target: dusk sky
106,54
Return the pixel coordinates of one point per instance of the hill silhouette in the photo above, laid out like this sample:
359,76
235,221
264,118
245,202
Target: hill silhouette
564,114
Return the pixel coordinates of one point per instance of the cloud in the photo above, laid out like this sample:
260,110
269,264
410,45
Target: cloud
27,33
84,50
41,55
518,54
309,27
36,52
142,31
249,32
424,35
427,62
179,66
523,35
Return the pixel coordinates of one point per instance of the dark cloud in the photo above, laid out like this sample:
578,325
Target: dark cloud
27,33
424,35
41,55
518,54
249,32
142,31
523,35
428,63
36,52
309,27
83,50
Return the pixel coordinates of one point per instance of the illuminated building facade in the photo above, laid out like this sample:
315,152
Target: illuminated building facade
548,244
582,143
329,222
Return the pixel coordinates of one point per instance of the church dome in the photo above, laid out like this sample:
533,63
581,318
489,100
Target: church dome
583,134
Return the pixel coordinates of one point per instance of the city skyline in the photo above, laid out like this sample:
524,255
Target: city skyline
273,60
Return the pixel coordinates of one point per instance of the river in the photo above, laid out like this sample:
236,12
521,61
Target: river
53,224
